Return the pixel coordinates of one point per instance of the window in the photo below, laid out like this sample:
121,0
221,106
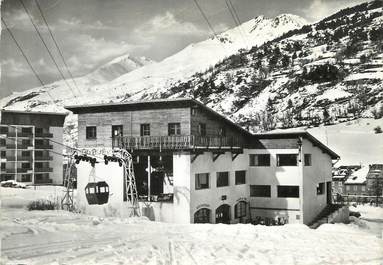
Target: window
117,130
26,165
145,129
202,216
307,159
2,153
25,153
91,132
3,130
222,179
288,191
260,160
39,165
240,209
260,191
240,177
355,187
26,130
347,188
2,142
287,160
222,132
174,129
320,188
39,130
202,129
363,188
27,142
26,178
2,165
38,153
202,181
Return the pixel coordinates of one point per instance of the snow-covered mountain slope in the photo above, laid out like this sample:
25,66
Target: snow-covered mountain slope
160,76
38,98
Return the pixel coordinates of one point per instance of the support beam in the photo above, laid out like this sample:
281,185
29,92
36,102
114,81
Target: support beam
195,156
216,155
234,156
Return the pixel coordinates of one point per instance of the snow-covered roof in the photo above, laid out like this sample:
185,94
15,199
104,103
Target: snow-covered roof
358,176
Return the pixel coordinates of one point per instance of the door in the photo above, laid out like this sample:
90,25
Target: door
222,214
329,194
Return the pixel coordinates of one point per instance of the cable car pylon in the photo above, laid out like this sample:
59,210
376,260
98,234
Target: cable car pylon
67,202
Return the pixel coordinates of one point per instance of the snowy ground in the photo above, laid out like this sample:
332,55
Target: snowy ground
58,237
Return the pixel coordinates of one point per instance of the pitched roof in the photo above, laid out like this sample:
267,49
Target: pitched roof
358,176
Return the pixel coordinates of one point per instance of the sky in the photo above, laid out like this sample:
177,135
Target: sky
93,32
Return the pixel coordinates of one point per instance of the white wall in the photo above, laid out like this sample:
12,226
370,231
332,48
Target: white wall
57,162
181,183
211,198
273,175
319,171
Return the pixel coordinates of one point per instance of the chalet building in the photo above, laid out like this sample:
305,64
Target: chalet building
374,179
26,152
207,169
356,182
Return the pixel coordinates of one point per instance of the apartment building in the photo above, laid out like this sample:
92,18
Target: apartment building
27,153
207,169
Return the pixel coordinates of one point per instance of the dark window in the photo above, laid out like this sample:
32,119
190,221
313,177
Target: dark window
26,165
307,159
222,132
2,142
3,129
39,165
260,191
240,209
222,179
39,130
201,181
287,160
145,129
25,153
26,178
91,132
288,191
260,160
26,130
2,165
38,153
2,153
202,216
117,130
202,129
194,111
174,129
320,188
240,177
26,142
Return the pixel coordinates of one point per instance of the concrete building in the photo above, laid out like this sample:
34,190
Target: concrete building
26,152
207,169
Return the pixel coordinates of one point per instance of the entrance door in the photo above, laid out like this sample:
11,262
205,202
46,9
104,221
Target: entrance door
222,214
329,195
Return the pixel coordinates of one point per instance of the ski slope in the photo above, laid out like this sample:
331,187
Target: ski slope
58,237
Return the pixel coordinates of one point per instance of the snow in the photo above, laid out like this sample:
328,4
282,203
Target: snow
59,237
333,94
358,176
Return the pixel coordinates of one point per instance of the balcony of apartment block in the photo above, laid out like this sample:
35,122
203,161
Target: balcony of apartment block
177,142
43,170
13,158
19,134
19,146
43,158
18,170
43,134
43,146
43,181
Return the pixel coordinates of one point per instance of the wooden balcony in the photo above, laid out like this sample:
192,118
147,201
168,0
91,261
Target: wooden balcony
176,142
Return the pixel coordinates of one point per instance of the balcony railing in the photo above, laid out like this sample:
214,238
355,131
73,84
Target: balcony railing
19,134
176,142
19,158
43,158
43,169
19,146
18,170
44,135
43,146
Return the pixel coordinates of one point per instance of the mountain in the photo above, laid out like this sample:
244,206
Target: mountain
38,98
154,77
